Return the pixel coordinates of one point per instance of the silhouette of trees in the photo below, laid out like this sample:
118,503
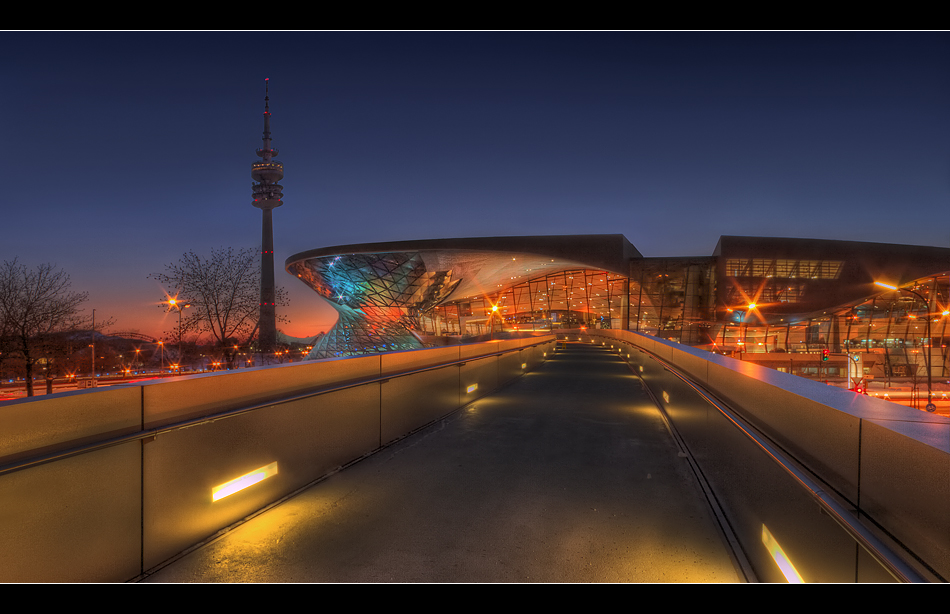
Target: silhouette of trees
36,307
224,291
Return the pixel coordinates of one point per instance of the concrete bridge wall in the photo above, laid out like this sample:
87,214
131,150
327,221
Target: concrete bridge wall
111,513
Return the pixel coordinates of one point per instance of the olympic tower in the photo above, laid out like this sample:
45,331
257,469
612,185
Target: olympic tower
267,196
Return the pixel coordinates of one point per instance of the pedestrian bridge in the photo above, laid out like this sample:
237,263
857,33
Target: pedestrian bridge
590,456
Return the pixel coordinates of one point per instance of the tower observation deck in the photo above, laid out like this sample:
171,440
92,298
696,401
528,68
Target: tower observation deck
267,195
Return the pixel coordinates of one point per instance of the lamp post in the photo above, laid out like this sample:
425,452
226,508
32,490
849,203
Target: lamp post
179,306
930,404
746,318
93,346
491,329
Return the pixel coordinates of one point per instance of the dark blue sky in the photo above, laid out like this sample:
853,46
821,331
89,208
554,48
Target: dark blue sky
125,150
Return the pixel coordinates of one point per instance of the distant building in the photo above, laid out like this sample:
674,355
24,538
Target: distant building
776,301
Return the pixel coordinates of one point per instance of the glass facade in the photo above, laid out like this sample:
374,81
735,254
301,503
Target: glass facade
563,299
673,298
894,329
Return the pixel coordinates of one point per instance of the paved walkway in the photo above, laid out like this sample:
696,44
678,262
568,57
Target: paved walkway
566,475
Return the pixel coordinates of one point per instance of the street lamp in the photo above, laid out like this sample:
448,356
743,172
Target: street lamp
179,306
93,346
930,404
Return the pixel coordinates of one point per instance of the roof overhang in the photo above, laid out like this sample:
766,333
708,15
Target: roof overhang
487,264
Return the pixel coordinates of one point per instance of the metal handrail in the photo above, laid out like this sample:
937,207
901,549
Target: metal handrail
154,432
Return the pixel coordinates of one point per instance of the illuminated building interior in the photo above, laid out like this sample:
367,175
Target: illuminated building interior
775,301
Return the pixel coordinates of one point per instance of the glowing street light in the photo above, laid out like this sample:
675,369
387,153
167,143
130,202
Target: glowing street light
172,302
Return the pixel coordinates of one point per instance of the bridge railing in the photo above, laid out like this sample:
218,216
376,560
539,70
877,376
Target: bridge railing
104,485
882,468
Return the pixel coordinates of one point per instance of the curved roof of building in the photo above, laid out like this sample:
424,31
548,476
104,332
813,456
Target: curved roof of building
608,252
463,268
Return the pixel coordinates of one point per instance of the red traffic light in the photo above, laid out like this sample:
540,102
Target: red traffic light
825,354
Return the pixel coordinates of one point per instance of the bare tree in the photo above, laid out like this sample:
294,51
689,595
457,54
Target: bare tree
224,292
36,305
